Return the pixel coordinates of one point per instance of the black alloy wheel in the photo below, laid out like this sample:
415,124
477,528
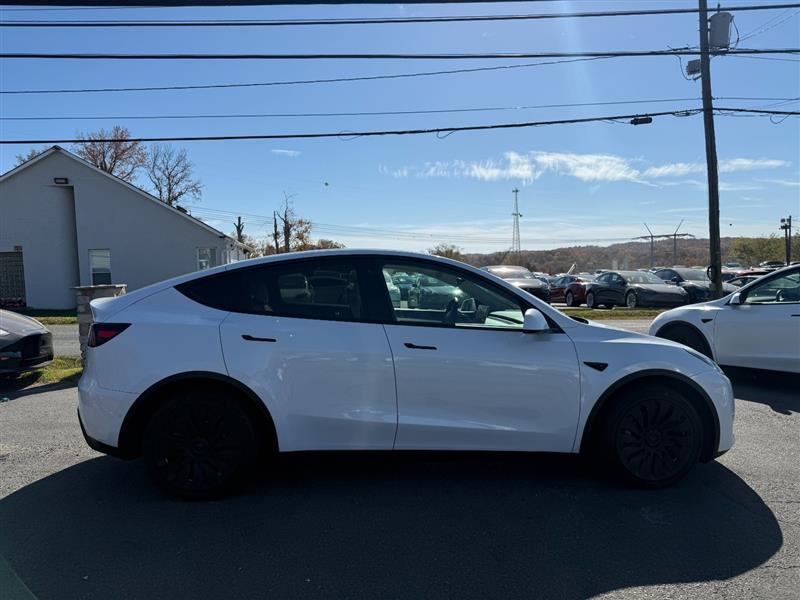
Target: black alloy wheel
654,436
200,444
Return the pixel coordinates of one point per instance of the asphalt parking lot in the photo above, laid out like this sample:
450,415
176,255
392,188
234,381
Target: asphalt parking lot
75,524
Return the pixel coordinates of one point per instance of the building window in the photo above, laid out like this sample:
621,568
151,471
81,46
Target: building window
206,258
100,266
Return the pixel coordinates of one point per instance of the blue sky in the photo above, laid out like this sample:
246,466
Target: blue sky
579,183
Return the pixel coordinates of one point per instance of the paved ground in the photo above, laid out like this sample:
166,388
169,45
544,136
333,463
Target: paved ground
74,524
65,340
65,337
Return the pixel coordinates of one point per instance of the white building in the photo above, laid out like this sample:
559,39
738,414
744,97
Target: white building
64,223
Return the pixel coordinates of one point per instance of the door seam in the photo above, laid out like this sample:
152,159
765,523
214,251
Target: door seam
396,394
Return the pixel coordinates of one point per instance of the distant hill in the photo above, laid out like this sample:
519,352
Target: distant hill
636,255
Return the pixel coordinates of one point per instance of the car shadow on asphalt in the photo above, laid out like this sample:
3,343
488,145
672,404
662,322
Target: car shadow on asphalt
779,391
381,525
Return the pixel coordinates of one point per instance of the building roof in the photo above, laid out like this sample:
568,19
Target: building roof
138,190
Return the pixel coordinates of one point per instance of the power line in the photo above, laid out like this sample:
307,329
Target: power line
764,27
778,101
391,56
375,20
769,58
348,135
343,135
298,82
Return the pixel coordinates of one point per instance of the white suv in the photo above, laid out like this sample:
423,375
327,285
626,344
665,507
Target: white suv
206,374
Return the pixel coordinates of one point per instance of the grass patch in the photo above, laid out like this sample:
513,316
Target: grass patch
50,316
64,370
599,314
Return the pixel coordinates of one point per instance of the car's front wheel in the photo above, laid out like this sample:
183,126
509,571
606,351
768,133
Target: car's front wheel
201,443
652,436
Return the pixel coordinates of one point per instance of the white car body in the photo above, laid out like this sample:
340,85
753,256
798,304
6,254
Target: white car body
757,336
341,385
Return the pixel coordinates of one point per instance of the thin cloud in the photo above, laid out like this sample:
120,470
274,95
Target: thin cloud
783,182
589,168
283,152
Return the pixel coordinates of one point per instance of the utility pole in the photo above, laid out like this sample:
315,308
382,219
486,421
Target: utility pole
516,244
239,229
675,244
275,235
786,227
715,253
652,246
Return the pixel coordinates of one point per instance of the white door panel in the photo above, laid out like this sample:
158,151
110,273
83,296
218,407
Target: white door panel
482,389
759,336
328,384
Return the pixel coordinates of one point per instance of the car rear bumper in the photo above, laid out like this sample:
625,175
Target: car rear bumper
101,413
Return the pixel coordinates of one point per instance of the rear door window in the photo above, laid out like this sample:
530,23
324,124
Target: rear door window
329,289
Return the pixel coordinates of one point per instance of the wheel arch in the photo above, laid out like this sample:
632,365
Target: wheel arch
694,392
145,406
671,325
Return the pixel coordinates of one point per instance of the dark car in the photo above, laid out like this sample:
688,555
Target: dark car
633,289
404,283
694,281
25,344
523,279
429,292
570,289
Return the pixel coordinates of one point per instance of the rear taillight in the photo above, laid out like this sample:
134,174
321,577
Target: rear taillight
100,333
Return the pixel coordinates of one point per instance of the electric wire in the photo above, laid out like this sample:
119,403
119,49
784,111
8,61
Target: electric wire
775,102
388,55
375,20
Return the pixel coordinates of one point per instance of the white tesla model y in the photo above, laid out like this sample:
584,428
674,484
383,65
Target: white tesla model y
205,374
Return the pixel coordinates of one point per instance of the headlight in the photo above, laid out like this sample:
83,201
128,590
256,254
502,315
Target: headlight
4,332
704,358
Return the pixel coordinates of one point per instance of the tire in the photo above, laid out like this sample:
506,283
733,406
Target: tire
569,299
631,301
412,302
200,444
688,336
590,301
652,436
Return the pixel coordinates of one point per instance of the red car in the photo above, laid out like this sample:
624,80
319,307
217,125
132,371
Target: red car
570,289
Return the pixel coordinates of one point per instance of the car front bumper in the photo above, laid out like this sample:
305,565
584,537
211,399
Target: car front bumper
719,390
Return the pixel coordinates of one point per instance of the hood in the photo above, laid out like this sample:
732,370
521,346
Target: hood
15,323
526,283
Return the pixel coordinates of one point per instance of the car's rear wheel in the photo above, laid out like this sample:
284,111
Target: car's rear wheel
652,436
631,301
201,443
569,299
590,300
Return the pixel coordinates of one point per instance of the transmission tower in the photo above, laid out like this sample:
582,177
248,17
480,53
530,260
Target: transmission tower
515,241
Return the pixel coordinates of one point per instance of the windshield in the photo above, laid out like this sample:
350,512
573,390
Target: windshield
640,277
692,274
512,272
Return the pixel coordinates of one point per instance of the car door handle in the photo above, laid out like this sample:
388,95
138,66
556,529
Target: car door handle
252,338
416,347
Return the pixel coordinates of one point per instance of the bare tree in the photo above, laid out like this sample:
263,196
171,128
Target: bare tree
170,172
448,251
31,154
112,151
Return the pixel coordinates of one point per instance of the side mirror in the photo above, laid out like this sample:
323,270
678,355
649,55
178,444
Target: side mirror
534,322
468,305
675,280
736,298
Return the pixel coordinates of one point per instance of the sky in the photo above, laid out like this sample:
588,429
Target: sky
579,184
